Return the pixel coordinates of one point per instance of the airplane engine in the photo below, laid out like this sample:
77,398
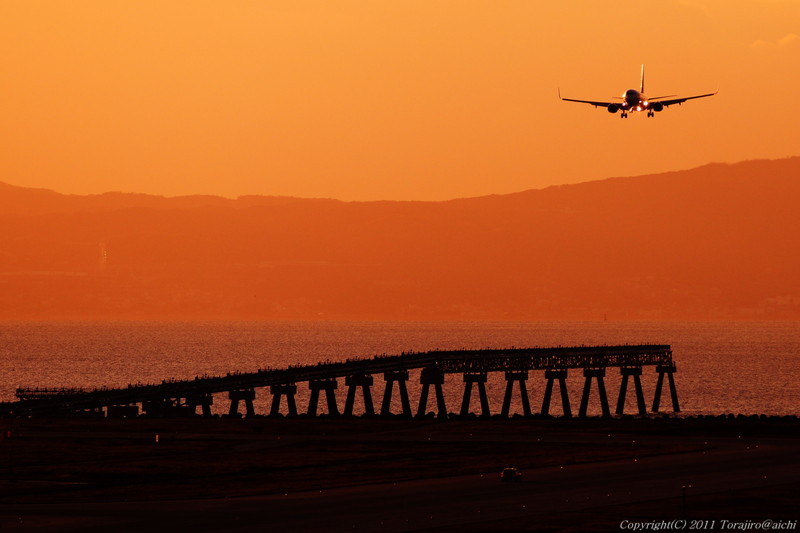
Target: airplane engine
613,108
657,107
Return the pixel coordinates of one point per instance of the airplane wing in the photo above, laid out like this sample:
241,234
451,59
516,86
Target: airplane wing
596,104
673,101
590,102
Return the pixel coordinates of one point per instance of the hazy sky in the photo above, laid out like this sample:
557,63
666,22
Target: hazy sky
372,99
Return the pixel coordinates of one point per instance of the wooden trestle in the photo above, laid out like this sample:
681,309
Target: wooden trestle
183,398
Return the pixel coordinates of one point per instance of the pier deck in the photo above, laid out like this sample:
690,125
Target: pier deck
183,397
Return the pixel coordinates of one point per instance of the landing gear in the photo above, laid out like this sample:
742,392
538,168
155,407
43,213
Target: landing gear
623,115
650,114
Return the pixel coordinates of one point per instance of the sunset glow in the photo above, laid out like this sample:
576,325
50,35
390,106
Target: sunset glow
381,100
399,266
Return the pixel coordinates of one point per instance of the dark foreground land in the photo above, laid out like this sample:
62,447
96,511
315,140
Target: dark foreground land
394,475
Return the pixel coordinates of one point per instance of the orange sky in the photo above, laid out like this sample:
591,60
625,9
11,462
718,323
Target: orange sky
383,100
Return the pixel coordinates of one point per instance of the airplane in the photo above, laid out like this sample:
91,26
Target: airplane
634,100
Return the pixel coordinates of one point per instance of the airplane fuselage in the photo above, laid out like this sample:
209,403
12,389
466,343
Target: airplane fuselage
634,99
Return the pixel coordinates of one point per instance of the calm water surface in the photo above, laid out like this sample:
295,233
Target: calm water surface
723,367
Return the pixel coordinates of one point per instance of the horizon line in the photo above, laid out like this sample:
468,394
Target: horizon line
402,200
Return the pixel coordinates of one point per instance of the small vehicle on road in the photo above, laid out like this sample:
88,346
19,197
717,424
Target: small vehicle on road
511,474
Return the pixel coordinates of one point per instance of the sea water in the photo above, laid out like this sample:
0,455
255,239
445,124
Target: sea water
723,367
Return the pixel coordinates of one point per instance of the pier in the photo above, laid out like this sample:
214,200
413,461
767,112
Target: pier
182,398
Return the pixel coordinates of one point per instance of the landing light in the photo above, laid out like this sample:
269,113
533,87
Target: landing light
646,103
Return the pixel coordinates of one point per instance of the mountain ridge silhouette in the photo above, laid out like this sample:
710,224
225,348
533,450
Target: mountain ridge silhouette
714,242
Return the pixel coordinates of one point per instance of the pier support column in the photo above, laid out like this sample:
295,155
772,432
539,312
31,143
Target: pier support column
669,370
561,376
288,390
431,375
353,382
520,377
246,395
400,376
329,386
636,372
161,408
205,401
590,373
480,379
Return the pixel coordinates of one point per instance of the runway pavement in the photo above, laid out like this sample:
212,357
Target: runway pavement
731,464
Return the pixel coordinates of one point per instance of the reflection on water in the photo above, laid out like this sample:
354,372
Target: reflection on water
723,367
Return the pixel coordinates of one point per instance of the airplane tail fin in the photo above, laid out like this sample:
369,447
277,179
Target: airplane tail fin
641,89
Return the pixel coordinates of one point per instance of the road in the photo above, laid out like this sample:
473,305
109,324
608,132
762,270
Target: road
445,502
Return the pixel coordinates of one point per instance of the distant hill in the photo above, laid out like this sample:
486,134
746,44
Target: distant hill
715,242
27,201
